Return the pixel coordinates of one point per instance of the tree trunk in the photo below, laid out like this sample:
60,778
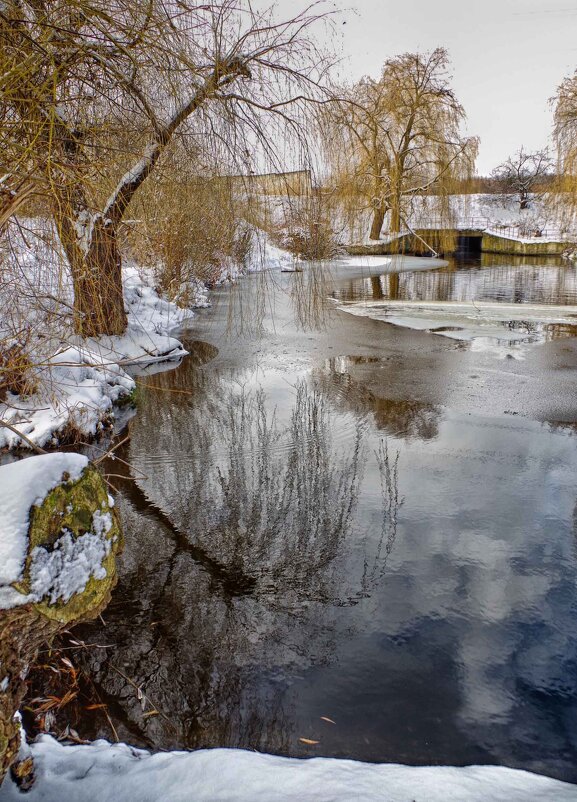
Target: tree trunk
377,224
396,216
96,268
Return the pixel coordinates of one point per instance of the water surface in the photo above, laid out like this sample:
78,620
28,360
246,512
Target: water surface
319,548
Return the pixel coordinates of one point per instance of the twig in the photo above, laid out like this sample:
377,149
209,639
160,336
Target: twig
23,437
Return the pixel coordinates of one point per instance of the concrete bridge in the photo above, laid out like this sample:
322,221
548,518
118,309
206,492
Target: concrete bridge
472,235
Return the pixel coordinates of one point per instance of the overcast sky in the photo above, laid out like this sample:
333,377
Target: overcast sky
508,57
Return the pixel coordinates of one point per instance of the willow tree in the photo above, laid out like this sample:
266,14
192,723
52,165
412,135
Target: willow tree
96,90
399,137
565,131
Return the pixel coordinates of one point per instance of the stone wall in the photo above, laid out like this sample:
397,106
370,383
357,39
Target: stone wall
494,244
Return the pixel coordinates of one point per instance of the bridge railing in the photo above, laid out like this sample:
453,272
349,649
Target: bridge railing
526,232
461,223
523,231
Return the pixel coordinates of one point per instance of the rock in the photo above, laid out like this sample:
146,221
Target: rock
69,511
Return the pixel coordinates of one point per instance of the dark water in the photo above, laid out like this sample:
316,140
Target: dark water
303,545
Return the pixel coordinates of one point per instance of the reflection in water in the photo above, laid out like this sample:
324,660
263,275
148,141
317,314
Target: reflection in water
309,292
306,292
418,590
237,563
284,562
404,418
507,280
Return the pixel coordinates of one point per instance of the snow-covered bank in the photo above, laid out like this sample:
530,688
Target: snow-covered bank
79,381
101,772
263,255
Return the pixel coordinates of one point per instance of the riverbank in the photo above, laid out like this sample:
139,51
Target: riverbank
64,389
102,772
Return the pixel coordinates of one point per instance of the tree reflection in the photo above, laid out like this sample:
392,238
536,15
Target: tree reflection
409,419
501,279
243,545
253,306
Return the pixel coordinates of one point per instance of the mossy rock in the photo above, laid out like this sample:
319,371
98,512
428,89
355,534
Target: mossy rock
70,507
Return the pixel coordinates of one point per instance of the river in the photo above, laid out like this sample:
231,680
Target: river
350,538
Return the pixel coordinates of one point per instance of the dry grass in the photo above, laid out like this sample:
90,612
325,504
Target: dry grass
188,229
17,374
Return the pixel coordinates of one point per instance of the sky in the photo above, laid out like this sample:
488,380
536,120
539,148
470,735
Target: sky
508,57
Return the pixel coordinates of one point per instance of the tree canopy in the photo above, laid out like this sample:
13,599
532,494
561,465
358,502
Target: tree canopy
402,136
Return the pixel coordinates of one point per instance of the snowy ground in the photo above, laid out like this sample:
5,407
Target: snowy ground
101,772
546,219
79,381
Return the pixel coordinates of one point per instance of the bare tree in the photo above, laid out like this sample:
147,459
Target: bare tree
523,174
95,91
402,136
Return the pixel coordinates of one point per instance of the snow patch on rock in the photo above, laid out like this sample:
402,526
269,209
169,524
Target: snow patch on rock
22,485
61,573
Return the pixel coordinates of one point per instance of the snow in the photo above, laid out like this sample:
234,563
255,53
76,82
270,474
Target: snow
61,573
22,485
382,265
555,237
498,214
150,151
264,255
81,380
102,772
80,390
84,228
150,318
